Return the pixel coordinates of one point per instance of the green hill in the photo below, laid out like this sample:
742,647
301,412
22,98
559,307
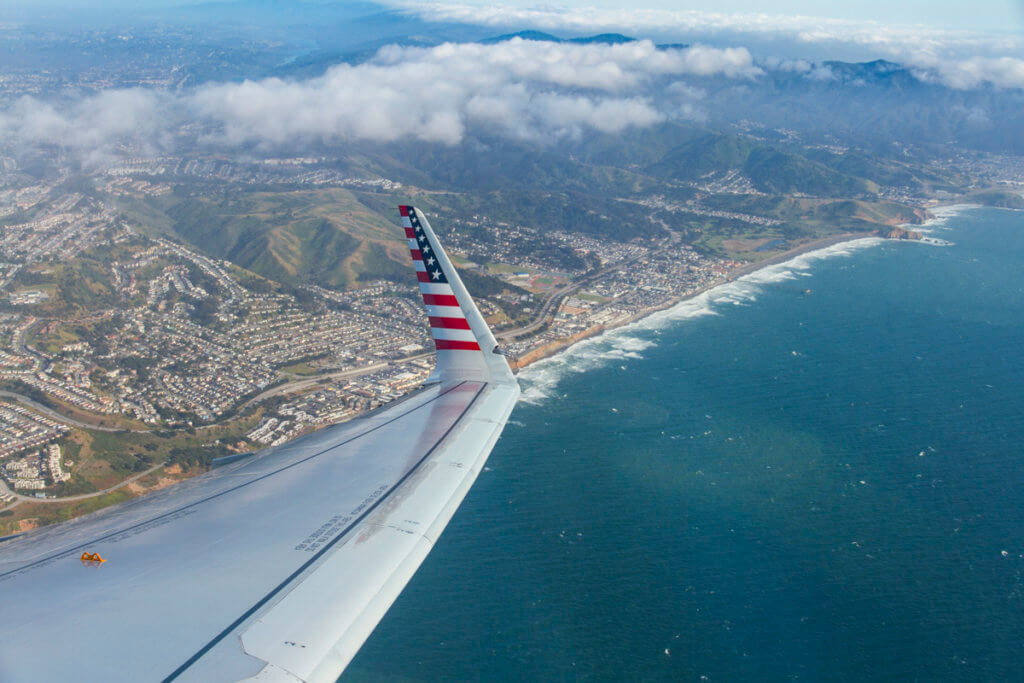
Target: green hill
324,236
776,172
620,187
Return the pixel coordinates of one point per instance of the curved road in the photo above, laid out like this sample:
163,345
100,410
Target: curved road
284,388
5,490
294,385
50,412
551,301
555,297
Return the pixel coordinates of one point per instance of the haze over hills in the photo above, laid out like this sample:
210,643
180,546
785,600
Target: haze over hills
197,224
635,140
596,187
201,258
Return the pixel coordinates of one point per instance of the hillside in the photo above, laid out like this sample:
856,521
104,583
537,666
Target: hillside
708,186
323,236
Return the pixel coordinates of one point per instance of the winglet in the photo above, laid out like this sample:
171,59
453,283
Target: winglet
466,348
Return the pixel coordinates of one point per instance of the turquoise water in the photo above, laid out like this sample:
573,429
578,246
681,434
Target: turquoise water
814,473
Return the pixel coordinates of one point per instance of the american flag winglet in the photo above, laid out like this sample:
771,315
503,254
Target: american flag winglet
448,323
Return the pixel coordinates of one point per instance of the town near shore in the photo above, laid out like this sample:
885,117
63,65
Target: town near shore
132,357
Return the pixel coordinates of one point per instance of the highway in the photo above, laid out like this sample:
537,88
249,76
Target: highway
298,384
53,414
275,391
555,296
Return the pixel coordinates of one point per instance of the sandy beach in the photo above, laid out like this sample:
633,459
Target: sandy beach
559,345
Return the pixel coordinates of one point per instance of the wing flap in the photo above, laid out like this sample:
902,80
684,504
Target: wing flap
315,630
189,579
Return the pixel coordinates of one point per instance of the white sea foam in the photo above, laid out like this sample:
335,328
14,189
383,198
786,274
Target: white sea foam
935,242
941,215
540,379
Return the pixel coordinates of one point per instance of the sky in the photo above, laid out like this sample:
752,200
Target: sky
533,90
977,15
1001,15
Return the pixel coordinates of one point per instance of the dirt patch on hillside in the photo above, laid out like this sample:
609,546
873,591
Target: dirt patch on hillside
741,245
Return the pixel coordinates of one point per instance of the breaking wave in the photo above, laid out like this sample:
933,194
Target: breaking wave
540,380
941,216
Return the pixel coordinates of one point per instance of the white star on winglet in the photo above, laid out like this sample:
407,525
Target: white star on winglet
430,261
436,274
426,249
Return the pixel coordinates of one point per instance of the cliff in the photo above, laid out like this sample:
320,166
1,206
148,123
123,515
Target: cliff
1003,199
897,233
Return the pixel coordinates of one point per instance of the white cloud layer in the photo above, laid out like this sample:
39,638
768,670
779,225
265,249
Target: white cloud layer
528,89
90,127
523,89
965,74
959,59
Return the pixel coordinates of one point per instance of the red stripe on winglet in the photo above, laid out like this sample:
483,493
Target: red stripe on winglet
440,300
455,345
417,255
449,323
423,276
410,233
404,210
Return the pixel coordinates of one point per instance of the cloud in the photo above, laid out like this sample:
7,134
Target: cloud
959,59
966,74
810,70
590,19
802,28
522,89
93,127
525,89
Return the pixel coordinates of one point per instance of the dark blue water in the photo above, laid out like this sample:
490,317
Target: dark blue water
817,473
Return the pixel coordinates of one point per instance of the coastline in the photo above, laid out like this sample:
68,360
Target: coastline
559,345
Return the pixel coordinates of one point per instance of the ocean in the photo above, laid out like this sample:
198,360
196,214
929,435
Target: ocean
813,473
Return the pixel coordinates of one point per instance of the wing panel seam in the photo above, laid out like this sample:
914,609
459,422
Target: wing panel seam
320,553
75,549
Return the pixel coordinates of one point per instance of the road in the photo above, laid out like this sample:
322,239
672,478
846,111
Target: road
556,296
273,391
49,412
282,389
298,384
5,490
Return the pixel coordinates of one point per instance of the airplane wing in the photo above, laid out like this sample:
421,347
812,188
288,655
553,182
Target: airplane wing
277,566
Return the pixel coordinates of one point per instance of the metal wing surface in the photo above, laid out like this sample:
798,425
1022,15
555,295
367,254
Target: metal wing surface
277,566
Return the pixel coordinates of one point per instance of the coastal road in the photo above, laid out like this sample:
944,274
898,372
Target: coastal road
555,296
813,245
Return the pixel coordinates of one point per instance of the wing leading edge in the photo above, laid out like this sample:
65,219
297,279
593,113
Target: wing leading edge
278,566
